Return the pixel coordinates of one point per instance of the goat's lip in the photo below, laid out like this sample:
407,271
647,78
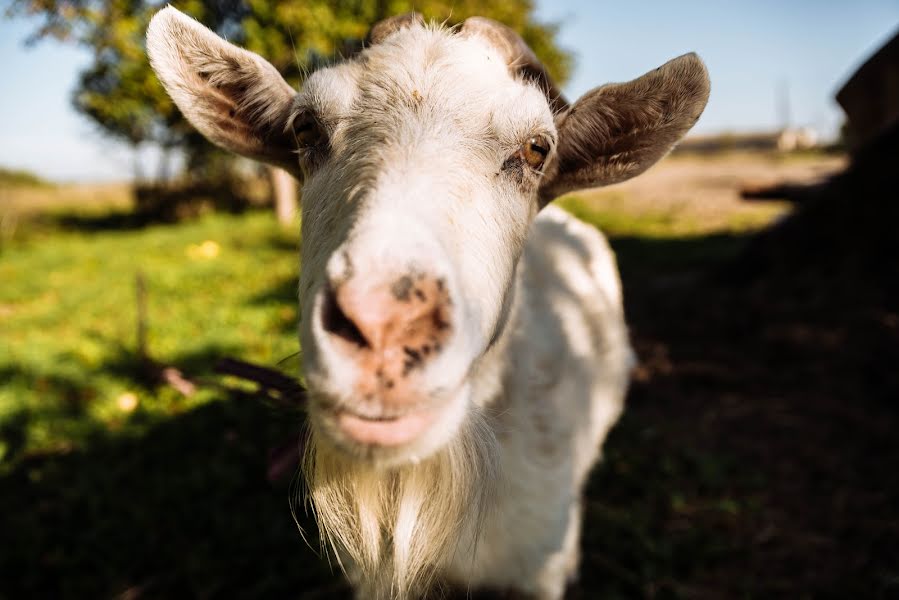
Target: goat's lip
380,431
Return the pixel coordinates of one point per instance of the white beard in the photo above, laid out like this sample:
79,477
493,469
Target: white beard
391,529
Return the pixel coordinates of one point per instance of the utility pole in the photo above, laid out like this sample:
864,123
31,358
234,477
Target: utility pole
784,117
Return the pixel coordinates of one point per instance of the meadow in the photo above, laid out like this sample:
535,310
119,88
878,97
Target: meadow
114,484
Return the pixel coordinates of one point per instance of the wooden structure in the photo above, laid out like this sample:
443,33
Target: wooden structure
870,98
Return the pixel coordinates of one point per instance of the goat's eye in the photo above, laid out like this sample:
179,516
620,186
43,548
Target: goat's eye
534,152
309,132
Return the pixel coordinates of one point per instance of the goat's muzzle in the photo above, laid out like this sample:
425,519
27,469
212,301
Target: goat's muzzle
389,331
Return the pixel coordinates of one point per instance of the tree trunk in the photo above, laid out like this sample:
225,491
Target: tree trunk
165,155
284,190
136,164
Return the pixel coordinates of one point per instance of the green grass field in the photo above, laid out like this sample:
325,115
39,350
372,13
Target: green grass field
110,482
69,363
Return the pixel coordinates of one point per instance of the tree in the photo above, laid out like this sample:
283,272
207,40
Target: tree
120,93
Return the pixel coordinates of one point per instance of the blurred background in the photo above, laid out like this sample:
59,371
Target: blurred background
758,457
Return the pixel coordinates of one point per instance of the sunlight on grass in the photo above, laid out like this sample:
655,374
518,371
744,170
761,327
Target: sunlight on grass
222,285
610,211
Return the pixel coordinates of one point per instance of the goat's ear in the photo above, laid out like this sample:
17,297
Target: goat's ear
234,97
619,130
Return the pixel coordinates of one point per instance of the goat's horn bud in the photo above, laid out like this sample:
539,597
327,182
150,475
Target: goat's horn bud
517,54
382,29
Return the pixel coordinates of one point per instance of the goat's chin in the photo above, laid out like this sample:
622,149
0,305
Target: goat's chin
409,439
397,514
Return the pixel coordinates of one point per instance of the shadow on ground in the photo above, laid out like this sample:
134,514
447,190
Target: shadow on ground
758,454
183,511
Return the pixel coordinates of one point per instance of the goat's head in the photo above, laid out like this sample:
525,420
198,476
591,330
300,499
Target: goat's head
425,158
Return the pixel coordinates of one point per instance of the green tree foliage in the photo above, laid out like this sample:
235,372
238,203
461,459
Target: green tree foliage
120,93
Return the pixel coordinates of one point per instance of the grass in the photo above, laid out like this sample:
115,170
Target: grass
111,484
613,212
221,285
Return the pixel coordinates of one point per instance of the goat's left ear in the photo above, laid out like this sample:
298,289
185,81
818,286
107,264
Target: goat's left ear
617,131
234,97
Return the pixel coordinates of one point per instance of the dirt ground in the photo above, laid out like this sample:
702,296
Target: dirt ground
701,194
23,201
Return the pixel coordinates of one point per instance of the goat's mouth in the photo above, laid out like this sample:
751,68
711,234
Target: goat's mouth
385,431
386,436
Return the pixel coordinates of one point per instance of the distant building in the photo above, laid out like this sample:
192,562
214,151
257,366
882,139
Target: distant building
785,140
797,138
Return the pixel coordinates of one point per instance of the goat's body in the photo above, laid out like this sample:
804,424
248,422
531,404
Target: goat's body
552,387
563,374
500,506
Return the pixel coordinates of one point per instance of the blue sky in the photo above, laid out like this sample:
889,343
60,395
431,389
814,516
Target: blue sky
754,50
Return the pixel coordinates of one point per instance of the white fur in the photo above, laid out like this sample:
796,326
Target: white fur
499,505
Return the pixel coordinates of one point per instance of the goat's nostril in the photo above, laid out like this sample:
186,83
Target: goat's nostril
398,326
336,322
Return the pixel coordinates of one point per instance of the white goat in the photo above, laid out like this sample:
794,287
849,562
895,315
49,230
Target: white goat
464,344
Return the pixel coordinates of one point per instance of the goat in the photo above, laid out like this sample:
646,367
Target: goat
464,343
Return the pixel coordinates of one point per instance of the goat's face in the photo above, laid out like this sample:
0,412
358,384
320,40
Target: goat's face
425,159
421,181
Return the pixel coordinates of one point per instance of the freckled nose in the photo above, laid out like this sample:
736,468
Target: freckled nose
389,329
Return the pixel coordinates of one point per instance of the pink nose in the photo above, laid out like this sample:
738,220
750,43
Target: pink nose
390,330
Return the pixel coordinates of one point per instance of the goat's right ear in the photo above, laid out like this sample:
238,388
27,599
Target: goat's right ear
234,97
617,131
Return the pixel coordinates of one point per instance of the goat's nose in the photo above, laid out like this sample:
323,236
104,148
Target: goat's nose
401,323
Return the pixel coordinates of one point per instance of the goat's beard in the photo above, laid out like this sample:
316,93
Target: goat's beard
391,529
